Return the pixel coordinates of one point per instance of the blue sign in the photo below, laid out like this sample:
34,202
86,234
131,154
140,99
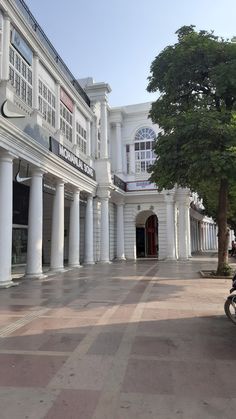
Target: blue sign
22,47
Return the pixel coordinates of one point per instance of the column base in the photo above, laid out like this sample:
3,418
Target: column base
75,266
104,262
119,259
35,276
89,262
57,269
8,284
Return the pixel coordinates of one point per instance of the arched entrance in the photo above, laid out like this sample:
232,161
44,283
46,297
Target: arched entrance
146,234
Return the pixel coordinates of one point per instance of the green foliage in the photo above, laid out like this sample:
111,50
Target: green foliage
226,270
196,111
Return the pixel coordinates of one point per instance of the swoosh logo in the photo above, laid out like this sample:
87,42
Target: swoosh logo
21,179
10,114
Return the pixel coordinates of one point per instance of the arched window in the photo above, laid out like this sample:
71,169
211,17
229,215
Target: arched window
143,146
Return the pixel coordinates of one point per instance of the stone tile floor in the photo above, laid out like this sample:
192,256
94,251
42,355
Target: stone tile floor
145,340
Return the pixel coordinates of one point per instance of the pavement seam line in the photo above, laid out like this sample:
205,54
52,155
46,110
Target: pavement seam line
110,391
84,346
32,352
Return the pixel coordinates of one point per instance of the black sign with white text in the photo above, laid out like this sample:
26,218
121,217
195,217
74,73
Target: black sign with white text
71,158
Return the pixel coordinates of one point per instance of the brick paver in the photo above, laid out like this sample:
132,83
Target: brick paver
145,340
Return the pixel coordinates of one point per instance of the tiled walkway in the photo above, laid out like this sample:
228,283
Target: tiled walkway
119,341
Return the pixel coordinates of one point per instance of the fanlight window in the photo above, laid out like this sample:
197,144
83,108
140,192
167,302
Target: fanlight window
143,145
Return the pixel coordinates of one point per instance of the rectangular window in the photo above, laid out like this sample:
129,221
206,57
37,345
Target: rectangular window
99,145
11,76
66,122
81,138
127,159
20,76
46,104
145,158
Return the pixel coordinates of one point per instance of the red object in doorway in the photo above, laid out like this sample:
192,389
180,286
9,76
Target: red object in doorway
151,235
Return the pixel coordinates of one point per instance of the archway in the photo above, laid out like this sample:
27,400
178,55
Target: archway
146,234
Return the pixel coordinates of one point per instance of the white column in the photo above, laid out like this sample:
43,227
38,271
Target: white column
104,136
120,232
211,233
208,236
104,230
183,231
89,257
74,232
204,236
215,237
6,203
118,148
188,231
132,158
57,240
6,44
35,81
35,226
170,226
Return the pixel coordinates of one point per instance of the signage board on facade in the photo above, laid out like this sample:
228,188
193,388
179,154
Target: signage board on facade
71,158
21,46
140,185
66,100
119,183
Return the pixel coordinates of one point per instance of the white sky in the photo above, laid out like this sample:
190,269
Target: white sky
115,41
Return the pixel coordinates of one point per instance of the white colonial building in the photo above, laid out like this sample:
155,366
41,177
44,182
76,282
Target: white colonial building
73,171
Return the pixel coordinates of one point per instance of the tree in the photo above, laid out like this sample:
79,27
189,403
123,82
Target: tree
196,148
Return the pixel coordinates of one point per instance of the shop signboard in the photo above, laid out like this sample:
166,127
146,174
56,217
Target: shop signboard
119,183
140,185
21,47
71,158
66,100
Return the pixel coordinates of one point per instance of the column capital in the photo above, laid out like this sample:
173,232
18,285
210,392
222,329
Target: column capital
104,193
104,101
7,156
6,16
169,197
120,204
76,189
60,181
38,171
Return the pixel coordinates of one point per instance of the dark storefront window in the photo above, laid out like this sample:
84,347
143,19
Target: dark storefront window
20,222
20,204
19,245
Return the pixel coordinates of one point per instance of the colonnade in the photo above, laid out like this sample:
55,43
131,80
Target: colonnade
35,225
203,235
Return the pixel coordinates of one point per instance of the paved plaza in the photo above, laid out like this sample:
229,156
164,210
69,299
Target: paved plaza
118,341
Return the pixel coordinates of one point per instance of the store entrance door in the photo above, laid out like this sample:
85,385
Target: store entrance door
146,234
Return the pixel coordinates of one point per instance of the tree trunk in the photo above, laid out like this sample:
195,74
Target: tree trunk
223,233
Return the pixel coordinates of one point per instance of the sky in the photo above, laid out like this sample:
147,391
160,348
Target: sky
115,41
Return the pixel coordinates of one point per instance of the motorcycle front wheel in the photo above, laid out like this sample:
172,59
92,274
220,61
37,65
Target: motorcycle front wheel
230,309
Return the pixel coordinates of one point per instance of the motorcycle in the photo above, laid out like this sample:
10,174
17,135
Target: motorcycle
230,303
